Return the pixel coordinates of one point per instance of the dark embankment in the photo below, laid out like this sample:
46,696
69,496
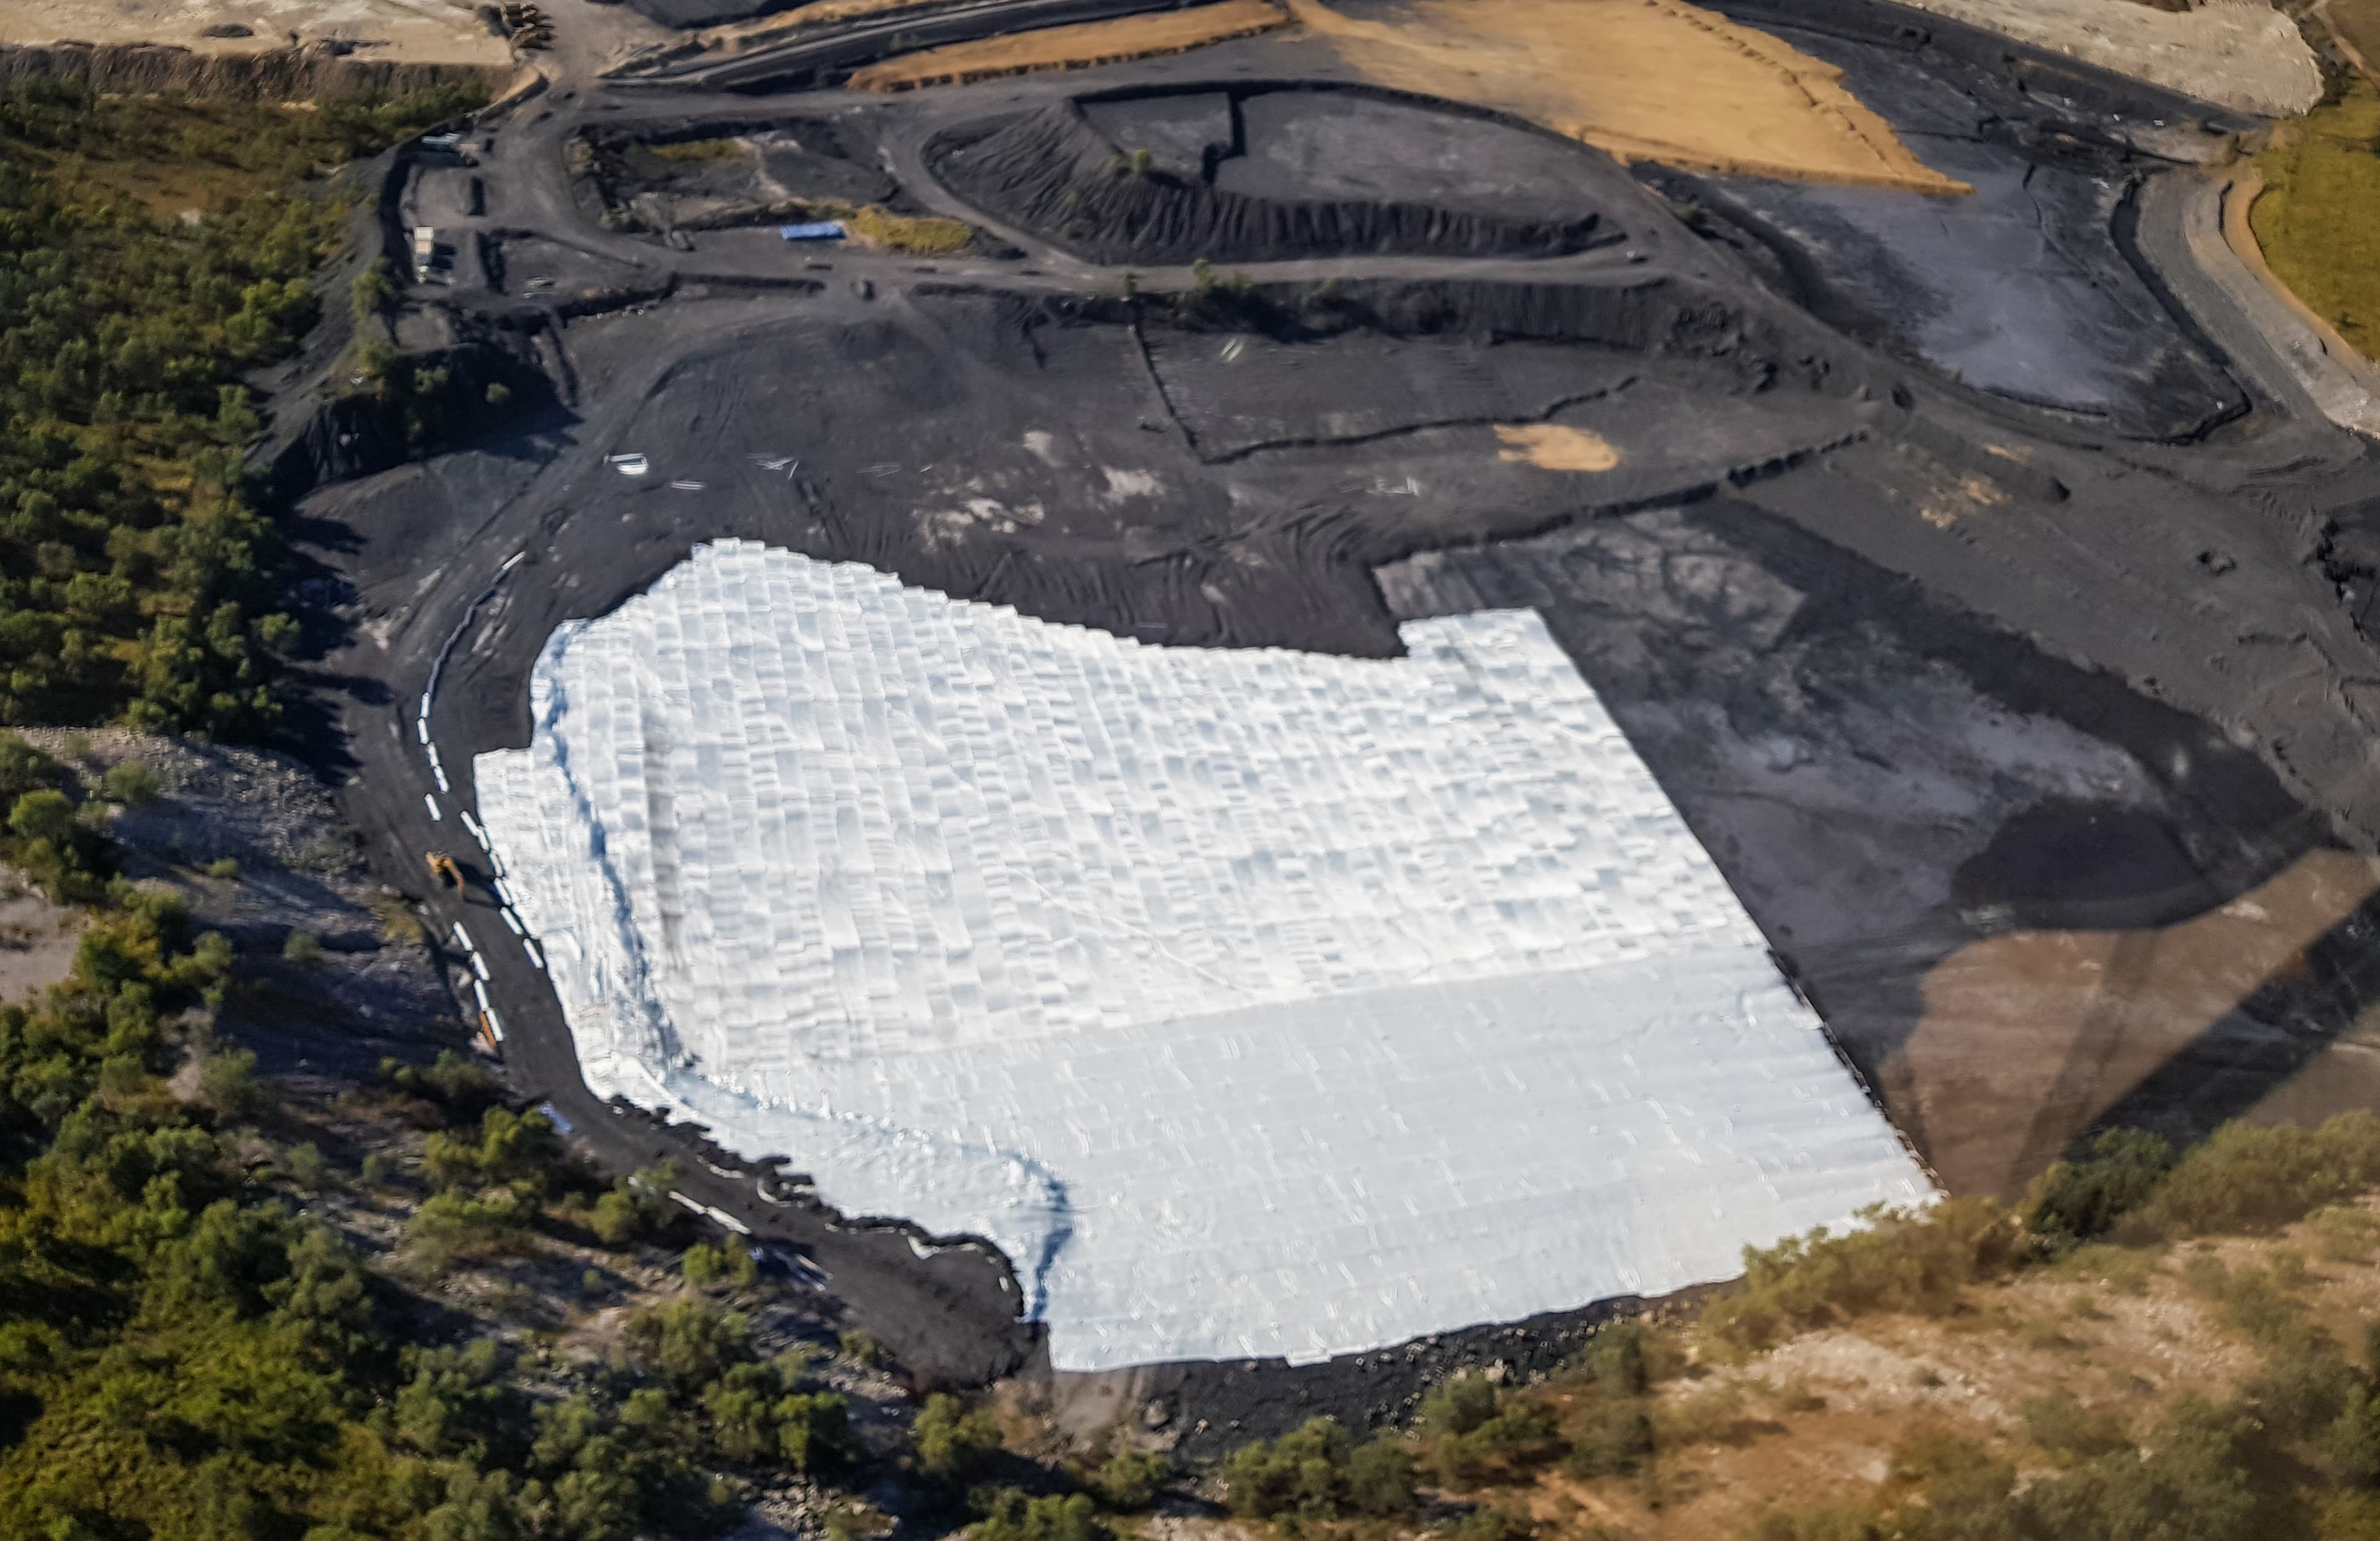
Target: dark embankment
313,72
1650,318
1049,172
413,403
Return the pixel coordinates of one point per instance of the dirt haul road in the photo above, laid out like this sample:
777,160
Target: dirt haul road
1924,664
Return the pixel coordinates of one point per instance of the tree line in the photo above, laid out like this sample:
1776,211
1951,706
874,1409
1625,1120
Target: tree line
137,572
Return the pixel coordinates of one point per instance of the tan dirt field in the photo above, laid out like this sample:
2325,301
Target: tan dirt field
1744,1437
1555,448
1643,79
1076,47
415,32
2057,1026
2356,25
1818,1419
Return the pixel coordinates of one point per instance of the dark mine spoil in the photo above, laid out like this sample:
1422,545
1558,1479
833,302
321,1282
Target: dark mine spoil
1053,171
1847,606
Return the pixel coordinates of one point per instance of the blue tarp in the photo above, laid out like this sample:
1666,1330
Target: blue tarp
825,230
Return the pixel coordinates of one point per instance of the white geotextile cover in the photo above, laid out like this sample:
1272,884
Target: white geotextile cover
1255,1003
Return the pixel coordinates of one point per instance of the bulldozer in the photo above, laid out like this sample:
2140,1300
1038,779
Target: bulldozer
442,868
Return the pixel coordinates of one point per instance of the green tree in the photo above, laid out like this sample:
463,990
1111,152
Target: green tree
131,782
955,1443
1012,1516
691,1341
45,815
1128,1480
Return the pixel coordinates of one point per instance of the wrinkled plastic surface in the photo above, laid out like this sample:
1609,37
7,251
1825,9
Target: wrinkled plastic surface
1255,1003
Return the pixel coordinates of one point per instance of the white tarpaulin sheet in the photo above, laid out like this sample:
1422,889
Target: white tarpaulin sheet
1255,1003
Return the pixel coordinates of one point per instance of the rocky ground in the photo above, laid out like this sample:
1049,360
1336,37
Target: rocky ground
335,970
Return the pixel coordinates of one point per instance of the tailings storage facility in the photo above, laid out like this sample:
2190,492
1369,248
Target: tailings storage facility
1252,1001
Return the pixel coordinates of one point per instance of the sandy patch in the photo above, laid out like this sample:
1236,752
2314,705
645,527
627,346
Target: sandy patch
2356,25
1643,79
420,31
2237,53
2029,1037
37,939
1555,448
737,36
1076,47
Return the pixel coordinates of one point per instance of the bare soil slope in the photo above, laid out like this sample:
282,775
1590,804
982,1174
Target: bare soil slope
1645,79
417,31
1076,47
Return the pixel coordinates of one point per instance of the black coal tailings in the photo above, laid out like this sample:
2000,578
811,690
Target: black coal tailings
1049,170
440,397
1651,318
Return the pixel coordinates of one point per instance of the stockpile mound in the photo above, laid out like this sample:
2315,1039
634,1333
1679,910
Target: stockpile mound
1049,171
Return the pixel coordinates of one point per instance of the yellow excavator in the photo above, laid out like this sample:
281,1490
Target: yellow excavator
442,868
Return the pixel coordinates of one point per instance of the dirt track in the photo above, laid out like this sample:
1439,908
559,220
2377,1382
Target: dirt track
1877,631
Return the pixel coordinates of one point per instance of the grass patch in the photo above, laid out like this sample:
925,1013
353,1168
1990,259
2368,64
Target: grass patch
918,235
696,150
2319,218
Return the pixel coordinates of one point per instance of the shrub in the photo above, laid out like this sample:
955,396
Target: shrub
67,855
637,1207
1613,1437
2077,1201
2258,1301
955,1443
372,292
2193,1485
227,1083
690,1340
2345,1232
2253,1177
1490,1524
1457,1405
513,1149
1312,1472
1521,1435
860,1346
2061,1425
131,782
452,1224
1834,1522
24,768
1129,1480
1012,1516
223,868
1918,1261
301,946
759,1413
44,814
1380,1479
306,1166
704,1265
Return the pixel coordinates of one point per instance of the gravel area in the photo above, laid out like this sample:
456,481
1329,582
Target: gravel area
256,847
